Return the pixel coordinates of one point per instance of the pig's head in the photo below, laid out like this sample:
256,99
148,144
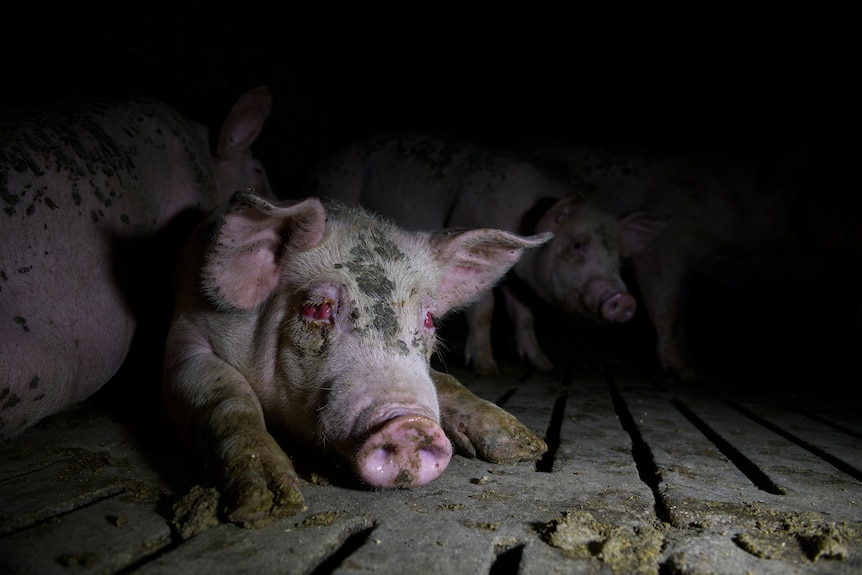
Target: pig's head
579,269
345,307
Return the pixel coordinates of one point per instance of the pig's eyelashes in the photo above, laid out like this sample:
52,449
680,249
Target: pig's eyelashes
317,312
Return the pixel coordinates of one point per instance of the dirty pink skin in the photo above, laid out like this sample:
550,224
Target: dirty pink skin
424,182
90,195
318,325
724,219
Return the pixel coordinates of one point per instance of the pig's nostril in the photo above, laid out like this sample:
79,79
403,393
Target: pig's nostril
620,307
407,451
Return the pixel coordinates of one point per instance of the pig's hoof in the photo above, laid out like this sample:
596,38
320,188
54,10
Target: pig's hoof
674,364
533,354
688,375
485,367
541,363
246,506
520,444
500,438
482,362
681,371
254,508
253,503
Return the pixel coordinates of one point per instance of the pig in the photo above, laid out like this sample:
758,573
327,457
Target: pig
728,217
93,193
426,181
316,324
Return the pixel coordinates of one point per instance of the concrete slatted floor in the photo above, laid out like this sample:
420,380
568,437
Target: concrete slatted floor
643,476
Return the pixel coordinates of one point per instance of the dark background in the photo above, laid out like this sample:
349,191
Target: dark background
741,80
729,79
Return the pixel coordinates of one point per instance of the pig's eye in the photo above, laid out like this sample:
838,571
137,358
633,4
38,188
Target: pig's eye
317,312
428,322
579,245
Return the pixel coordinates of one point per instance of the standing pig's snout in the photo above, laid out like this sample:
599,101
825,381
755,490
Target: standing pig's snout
406,451
619,308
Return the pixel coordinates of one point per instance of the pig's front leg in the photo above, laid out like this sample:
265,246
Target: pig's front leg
664,297
218,414
478,352
525,332
480,428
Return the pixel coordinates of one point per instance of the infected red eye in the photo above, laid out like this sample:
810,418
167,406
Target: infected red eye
317,312
429,320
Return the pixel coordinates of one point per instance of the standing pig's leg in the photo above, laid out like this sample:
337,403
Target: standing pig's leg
219,415
478,351
662,281
478,427
525,332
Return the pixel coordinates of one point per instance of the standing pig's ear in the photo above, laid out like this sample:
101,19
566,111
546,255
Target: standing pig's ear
244,123
243,264
472,261
565,209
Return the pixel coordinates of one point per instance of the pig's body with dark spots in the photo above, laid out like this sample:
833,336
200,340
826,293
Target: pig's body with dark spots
95,198
427,182
318,324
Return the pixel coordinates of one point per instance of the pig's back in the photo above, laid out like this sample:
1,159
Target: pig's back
427,182
84,186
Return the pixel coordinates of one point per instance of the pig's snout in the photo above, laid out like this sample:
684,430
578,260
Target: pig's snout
406,451
619,308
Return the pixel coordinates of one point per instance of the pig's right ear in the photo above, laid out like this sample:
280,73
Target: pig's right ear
565,209
243,263
472,261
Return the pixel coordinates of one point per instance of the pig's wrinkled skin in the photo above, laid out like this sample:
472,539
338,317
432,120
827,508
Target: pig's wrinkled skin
426,182
725,218
318,325
88,193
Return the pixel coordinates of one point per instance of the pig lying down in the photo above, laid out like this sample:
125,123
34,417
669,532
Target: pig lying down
88,194
318,324
426,182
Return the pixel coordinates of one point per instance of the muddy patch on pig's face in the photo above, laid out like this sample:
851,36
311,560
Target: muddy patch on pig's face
368,263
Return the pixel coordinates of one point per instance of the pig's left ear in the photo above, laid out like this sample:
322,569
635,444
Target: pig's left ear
472,261
243,263
244,123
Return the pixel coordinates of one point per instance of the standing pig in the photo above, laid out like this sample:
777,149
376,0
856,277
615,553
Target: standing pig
722,215
425,182
89,195
319,325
